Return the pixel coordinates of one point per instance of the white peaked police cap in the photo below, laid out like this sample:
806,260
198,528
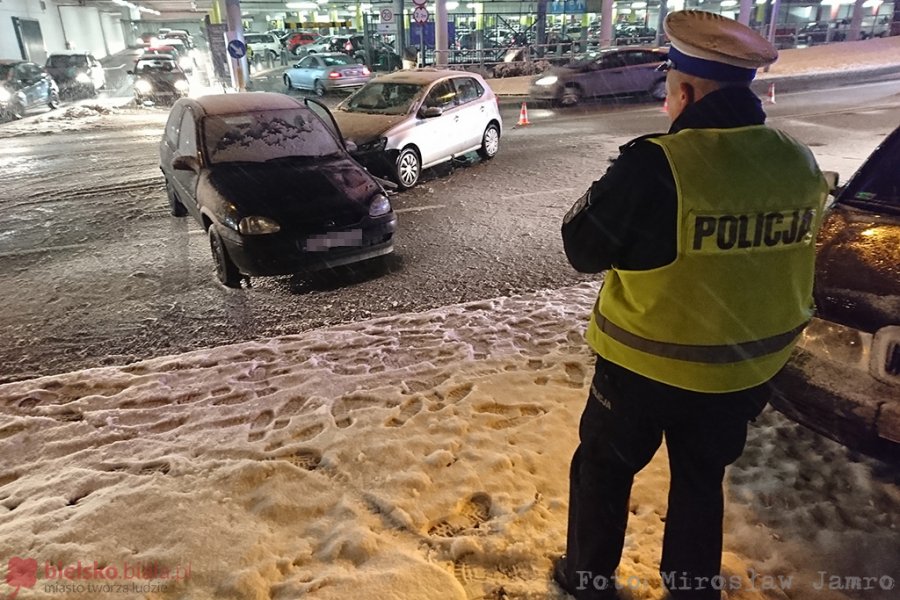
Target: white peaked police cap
711,46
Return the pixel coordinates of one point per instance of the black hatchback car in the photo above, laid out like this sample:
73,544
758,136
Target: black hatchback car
23,86
844,379
272,185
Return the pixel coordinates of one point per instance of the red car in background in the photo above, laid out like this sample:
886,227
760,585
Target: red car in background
294,41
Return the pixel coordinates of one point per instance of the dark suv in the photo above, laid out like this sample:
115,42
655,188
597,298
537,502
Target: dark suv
23,86
844,379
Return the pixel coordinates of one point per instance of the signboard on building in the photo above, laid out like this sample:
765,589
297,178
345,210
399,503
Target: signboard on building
569,7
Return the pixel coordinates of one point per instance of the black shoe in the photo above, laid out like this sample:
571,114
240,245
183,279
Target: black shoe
562,580
559,575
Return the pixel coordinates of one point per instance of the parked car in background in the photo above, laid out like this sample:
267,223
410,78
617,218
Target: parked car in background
176,47
179,34
24,86
410,120
822,32
629,35
844,379
76,73
323,73
875,27
263,44
158,80
273,186
605,73
295,41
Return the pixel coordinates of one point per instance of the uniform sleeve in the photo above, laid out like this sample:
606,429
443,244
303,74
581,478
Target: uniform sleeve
623,212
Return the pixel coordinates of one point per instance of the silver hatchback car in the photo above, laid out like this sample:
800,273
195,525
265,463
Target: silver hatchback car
408,121
325,73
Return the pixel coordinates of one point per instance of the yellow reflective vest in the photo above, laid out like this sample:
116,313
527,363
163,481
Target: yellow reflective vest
726,313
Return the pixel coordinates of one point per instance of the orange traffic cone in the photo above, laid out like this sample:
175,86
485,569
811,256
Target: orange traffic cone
523,116
771,94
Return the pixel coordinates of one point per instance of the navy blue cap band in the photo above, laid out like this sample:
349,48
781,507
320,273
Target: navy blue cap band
708,69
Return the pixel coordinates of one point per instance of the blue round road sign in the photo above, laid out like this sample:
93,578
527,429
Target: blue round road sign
236,49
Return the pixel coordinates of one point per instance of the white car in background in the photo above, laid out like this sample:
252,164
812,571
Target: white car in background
263,44
408,121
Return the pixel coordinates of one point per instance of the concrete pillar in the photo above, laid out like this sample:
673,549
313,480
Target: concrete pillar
856,21
606,23
240,71
441,33
744,14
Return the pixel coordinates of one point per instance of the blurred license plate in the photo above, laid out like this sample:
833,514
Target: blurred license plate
333,239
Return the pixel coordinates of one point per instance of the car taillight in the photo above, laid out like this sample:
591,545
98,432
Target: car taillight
335,75
365,71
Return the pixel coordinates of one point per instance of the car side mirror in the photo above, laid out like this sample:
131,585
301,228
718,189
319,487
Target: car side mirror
184,162
431,112
130,72
350,146
832,178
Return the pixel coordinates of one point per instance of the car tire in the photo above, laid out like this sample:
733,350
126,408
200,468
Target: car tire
287,82
53,100
175,206
297,51
274,55
226,271
571,95
319,89
490,142
658,90
409,168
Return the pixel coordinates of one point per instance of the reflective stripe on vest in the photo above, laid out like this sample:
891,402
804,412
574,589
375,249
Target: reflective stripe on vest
721,354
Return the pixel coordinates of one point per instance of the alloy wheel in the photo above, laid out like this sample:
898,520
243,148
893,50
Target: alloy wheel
408,168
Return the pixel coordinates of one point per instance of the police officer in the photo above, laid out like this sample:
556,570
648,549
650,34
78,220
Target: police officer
706,236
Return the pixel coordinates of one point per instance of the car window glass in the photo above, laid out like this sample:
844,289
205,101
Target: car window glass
155,65
261,136
383,98
187,136
640,58
467,89
877,184
174,125
307,63
611,61
331,61
442,95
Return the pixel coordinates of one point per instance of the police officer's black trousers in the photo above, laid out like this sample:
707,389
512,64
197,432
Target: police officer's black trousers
621,429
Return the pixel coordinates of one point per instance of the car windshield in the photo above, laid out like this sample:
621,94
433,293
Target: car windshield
267,135
6,72
384,98
64,61
155,65
877,184
331,61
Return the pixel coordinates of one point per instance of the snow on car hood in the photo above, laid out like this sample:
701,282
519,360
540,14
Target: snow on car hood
300,191
365,127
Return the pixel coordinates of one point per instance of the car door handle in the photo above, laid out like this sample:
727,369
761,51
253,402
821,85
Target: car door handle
456,118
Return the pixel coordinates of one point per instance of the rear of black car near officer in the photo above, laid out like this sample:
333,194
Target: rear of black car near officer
706,234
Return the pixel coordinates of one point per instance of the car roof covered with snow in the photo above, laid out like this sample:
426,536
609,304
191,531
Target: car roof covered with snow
229,104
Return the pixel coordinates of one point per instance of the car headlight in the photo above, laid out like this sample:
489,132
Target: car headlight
4,95
548,80
143,86
258,226
373,146
82,78
380,206
182,86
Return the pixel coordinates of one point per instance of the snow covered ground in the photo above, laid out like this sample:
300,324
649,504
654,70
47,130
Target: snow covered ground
422,456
